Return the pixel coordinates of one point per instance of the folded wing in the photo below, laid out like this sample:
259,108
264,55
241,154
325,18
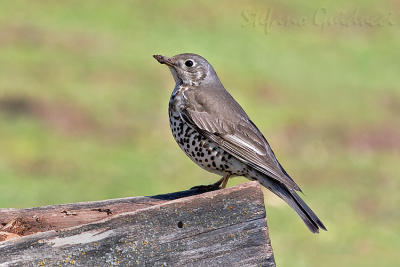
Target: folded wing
242,139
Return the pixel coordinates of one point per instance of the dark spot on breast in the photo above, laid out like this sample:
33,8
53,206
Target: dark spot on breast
218,154
187,132
201,154
223,158
206,160
226,166
212,158
193,143
213,163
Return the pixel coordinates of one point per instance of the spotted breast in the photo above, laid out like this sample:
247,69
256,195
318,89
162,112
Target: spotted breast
198,148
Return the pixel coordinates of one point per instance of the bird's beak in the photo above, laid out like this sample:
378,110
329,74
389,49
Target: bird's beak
164,60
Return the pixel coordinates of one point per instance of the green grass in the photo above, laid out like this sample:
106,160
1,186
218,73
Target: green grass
95,122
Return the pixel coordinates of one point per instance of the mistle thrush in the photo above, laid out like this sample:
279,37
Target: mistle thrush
215,132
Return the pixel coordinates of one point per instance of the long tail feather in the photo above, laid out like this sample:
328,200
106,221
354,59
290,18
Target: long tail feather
293,199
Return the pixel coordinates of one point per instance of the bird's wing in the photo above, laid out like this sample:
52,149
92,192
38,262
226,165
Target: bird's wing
242,139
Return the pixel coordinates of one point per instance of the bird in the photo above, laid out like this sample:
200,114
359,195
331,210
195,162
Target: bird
215,132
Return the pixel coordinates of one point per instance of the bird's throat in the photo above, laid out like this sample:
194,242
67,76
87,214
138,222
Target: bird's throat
178,80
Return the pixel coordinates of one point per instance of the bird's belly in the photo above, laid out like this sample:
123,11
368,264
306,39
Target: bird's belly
203,151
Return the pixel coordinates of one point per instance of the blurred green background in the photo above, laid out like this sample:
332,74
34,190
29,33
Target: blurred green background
83,109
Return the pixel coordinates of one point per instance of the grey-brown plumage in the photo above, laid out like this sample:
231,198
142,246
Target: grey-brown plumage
216,133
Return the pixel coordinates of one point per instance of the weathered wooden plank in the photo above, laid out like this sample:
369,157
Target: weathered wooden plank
39,219
220,228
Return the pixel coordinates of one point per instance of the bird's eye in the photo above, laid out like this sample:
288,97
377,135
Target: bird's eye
189,63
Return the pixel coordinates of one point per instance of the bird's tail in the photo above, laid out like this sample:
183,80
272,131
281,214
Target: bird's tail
293,199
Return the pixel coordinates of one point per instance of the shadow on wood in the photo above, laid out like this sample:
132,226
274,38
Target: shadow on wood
220,228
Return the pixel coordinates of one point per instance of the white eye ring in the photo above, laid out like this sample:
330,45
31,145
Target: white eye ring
189,63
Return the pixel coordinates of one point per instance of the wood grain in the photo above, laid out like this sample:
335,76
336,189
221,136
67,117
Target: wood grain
220,228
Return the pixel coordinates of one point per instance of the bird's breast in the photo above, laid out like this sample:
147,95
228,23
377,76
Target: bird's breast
177,100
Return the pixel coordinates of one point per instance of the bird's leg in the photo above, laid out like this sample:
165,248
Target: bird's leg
214,186
225,180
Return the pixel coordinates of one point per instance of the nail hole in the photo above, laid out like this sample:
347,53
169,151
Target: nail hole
180,224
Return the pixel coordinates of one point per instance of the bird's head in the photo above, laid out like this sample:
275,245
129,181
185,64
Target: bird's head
189,69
